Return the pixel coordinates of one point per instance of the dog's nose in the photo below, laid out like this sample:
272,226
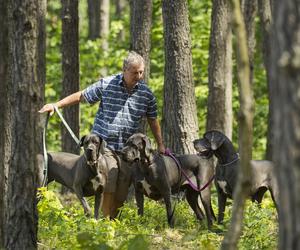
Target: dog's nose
90,149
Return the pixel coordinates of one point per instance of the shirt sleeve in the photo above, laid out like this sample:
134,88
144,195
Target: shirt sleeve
152,108
93,93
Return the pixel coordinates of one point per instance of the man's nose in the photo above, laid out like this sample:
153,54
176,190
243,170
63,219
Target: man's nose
140,75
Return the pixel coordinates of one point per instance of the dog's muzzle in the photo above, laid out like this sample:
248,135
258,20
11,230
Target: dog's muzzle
91,156
202,148
130,154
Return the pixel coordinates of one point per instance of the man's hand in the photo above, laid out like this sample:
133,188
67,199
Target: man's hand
161,148
48,108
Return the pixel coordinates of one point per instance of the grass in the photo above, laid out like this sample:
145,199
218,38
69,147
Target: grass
62,225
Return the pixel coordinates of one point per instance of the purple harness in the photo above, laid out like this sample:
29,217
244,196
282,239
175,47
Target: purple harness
193,186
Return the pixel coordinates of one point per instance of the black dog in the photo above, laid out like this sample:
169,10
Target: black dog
215,142
158,176
85,175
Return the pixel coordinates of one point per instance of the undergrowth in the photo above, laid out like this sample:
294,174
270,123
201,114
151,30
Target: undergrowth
62,225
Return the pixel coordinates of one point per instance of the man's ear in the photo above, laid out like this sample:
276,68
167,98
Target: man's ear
81,141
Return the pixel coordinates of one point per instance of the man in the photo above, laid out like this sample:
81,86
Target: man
125,100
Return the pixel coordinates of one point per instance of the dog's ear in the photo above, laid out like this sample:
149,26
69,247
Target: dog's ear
103,145
81,141
147,146
216,138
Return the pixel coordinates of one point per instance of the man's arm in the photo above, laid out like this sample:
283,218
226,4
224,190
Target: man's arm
72,99
156,131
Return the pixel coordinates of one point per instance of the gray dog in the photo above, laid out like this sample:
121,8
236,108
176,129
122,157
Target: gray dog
85,174
215,142
158,176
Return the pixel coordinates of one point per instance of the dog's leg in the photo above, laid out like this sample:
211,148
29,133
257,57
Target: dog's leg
86,207
170,211
206,201
98,201
192,199
108,199
221,205
79,192
258,196
275,198
139,197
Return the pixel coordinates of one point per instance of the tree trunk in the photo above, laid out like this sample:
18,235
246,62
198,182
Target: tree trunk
140,29
21,145
245,131
70,70
120,7
5,129
285,73
104,30
219,108
265,13
179,125
249,9
104,23
94,19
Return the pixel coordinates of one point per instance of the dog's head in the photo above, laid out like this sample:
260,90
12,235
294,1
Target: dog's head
137,148
210,142
215,138
93,146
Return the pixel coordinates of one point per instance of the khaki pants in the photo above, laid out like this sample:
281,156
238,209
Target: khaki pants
118,182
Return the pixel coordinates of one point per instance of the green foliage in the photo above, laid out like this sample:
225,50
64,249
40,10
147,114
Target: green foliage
62,225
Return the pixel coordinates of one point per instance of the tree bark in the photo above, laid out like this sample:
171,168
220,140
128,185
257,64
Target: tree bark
179,125
285,74
94,19
249,10
265,14
120,8
21,146
245,131
104,30
5,130
219,108
70,70
104,23
140,30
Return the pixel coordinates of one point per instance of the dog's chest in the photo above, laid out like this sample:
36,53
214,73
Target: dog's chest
223,182
146,187
223,185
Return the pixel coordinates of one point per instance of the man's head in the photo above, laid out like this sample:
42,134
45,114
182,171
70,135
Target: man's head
133,69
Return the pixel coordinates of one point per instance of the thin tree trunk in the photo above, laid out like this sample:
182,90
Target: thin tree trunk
180,124
245,131
120,8
265,14
104,30
285,75
249,9
219,108
104,23
140,29
94,19
70,70
5,130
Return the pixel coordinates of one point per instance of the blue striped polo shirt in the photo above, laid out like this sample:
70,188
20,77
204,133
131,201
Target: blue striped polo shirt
119,113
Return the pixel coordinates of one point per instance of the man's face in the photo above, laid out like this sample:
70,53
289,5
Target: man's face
133,74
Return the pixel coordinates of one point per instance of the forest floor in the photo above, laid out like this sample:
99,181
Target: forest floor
62,225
